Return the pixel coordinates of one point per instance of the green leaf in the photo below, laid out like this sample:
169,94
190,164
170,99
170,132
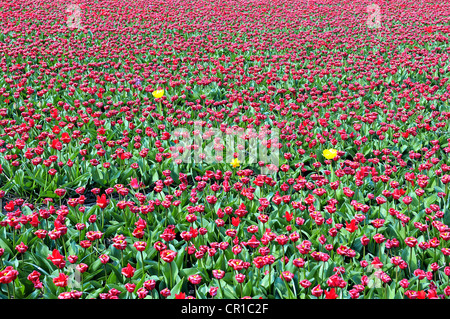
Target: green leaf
247,289
176,289
7,247
430,200
280,286
118,275
186,272
229,292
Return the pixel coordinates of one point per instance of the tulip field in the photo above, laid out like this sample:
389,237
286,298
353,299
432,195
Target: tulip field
224,149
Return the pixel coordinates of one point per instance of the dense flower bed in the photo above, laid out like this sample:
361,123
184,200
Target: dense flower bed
97,201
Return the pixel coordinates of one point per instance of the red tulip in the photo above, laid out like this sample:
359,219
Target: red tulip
56,144
60,192
352,226
128,271
65,137
8,275
61,280
102,202
288,216
317,291
22,248
331,294
195,279
57,259
168,255
411,241
181,295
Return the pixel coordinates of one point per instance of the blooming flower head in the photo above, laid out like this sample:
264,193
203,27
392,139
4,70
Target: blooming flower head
351,227
8,275
57,259
168,255
128,271
158,93
181,295
235,163
330,153
102,201
195,279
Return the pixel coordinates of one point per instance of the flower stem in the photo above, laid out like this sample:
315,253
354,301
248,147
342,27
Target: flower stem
170,274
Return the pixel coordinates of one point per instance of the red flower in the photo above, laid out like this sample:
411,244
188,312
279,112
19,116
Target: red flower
159,246
150,284
142,293
168,255
56,129
168,234
140,245
61,280
379,238
253,242
130,287
287,276
288,216
305,283
54,113
398,193
432,294
128,271
240,278
165,292
282,239
411,241
104,259
195,279
181,295
380,200
317,291
310,199
352,226
218,274
8,275
213,291
376,263
365,240
60,192
331,294
65,137
56,144
102,202
235,221
10,206
57,259
34,276
134,183
22,248
421,294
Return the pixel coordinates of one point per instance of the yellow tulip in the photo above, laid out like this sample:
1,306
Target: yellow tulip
235,162
158,93
330,153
